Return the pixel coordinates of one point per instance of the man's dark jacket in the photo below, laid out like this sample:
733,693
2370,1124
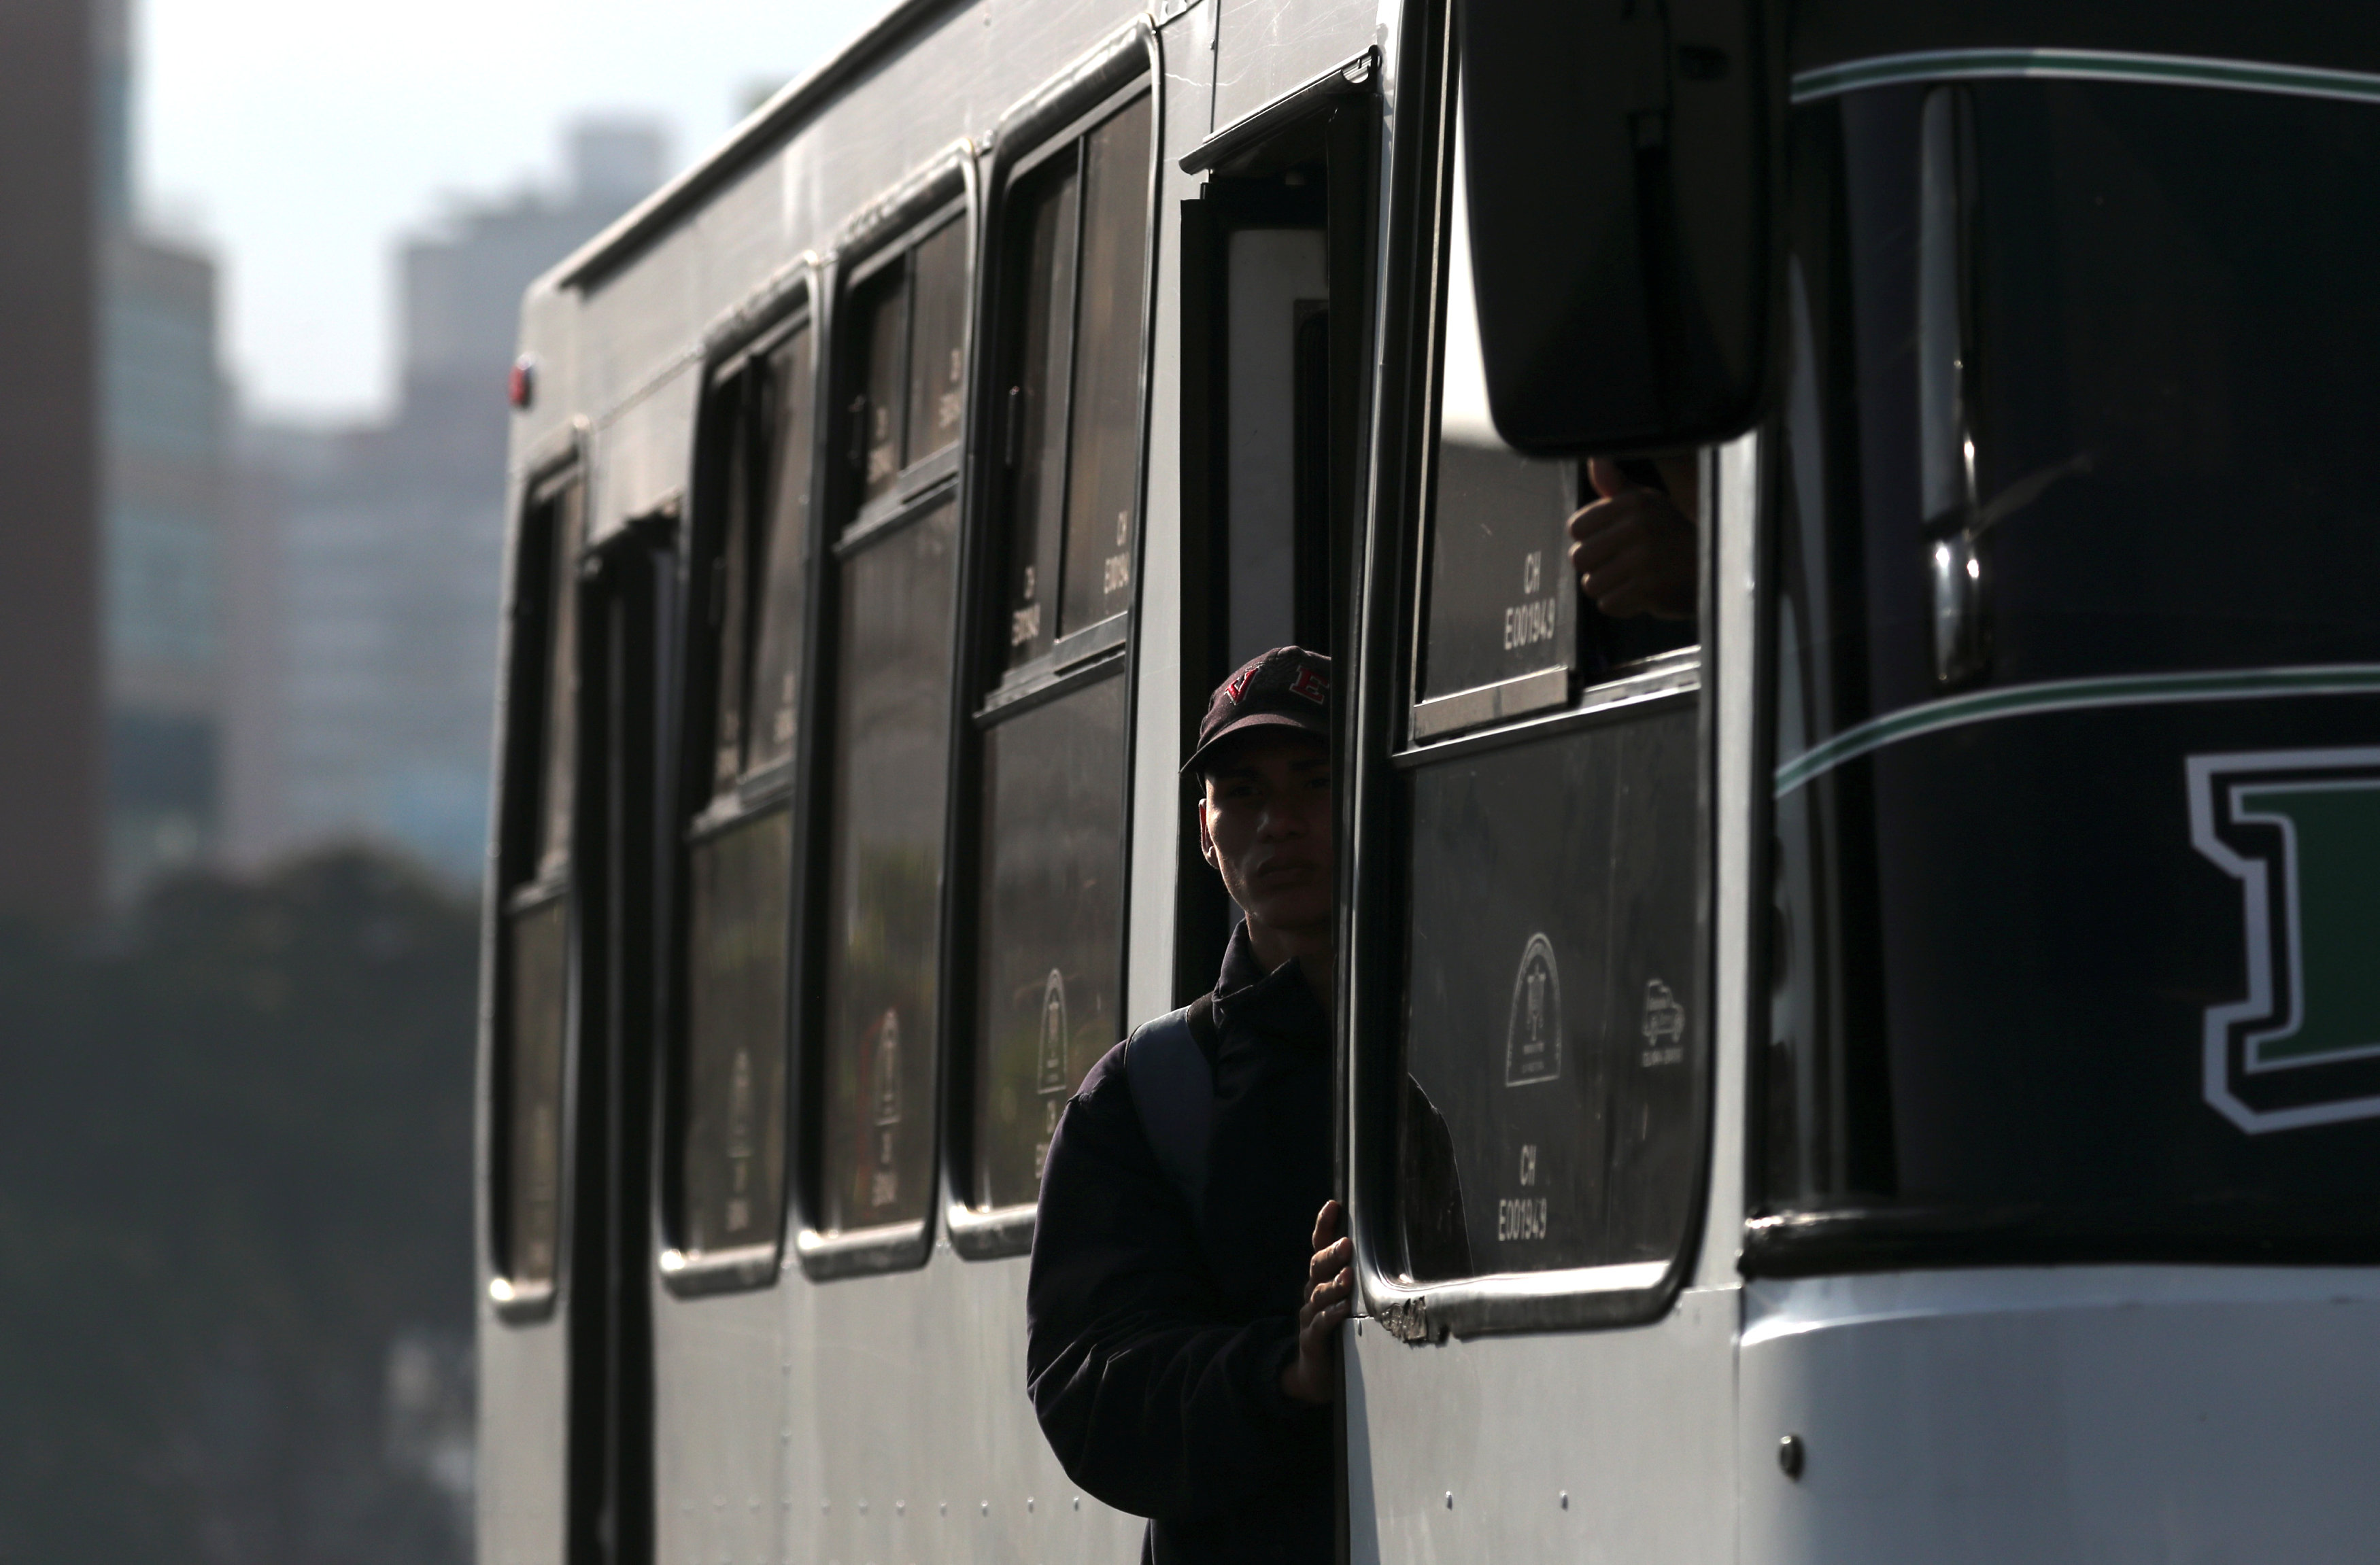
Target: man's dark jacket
1156,1334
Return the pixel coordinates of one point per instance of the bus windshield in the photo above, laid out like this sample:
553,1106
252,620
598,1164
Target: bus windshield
2077,679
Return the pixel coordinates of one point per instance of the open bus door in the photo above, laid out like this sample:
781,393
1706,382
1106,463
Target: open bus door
1542,1361
571,1092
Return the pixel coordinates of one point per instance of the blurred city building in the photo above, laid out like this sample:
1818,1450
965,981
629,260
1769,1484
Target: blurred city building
163,422
366,618
49,746
163,410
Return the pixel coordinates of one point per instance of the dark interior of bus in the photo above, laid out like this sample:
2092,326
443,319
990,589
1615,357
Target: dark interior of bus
1271,428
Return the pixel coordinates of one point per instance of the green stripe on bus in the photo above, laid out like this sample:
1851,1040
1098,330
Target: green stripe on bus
1940,65
2070,695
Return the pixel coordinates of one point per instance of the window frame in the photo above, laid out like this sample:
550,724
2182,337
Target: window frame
882,236
705,811
521,883
1043,130
1389,745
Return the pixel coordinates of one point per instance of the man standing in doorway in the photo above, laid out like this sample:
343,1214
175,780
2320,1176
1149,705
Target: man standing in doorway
1185,1293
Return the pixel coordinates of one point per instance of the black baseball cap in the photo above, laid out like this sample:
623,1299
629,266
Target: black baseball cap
1287,687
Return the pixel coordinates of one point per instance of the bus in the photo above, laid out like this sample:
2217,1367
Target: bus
1902,1043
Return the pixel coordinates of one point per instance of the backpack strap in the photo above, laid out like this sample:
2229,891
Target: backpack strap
1174,1091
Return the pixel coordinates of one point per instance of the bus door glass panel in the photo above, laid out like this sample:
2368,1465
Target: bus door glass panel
753,532
1507,627
896,584
1547,1119
1503,609
1051,878
2079,438
536,929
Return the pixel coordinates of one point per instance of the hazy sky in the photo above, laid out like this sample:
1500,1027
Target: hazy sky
302,137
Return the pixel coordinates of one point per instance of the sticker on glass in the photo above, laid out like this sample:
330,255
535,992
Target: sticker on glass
883,1053
1664,1027
739,1141
1533,1036
1053,1035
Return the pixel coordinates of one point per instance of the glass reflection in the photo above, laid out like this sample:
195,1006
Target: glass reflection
1036,405
938,342
891,782
1052,923
1104,468
566,530
776,662
882,310
731,566
536,1021
732,1158
1551,1035
1502,602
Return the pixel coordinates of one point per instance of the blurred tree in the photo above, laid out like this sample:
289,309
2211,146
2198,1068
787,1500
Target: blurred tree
234,1204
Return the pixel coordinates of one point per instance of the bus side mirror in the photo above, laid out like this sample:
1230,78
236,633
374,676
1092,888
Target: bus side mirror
1621,158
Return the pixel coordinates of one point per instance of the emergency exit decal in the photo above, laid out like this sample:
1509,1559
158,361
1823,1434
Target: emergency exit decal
2299,830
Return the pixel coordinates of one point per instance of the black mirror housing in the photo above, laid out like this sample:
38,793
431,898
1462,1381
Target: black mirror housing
1622,157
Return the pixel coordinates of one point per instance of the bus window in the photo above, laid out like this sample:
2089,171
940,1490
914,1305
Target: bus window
1050,923
1549,1118
557,785
734,1142
536,963
539,966
784,576
1049,899
882,311
1507,629
1103,469
883,942
888,757
1034,410
938,357
2076,441
752,552
1502,611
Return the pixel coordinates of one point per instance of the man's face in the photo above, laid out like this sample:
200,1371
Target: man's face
1265,825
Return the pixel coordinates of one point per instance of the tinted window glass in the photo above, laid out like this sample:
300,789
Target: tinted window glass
938,342
1502,602
883,312
566,530
777,660
733,1164
1104,474
890,779
534,1025
1554,1026
1051,901
730,573
1036,410
2078,440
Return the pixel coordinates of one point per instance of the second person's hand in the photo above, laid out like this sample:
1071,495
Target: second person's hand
1633,549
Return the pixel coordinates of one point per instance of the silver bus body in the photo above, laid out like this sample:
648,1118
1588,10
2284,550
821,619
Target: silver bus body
843,1399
